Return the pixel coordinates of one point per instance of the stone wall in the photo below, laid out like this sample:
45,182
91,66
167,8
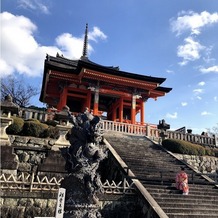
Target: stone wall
203,164
30,156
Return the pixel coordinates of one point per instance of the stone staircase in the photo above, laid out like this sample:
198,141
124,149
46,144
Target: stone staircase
156,170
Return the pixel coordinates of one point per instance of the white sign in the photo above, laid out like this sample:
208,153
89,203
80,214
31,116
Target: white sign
60,203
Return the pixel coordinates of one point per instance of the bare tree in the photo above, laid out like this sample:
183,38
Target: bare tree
213,131
20,92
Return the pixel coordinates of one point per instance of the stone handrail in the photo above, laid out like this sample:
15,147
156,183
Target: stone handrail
194,138
154,133
108,125
148,130
29,113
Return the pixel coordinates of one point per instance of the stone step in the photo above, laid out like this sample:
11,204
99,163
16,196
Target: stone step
167,178
175,191
208,188
189,211
193,215
146,160
188,205
172,163
186,198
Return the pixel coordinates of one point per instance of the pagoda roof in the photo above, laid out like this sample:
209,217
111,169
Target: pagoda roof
64,67
74,67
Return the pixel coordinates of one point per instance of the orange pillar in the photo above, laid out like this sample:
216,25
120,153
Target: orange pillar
142,112
96,100
133,109
88,100
114,112
121,110
63,99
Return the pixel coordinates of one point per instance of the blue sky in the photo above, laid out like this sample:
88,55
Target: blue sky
173,39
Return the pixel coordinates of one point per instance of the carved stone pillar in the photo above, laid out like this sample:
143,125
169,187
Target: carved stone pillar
62,141
5,122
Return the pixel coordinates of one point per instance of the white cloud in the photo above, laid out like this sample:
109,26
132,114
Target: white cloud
96,33
202,83
35,5
215,98
198,91
213,69
23,54
184,104
172,116
190,51
199,97
205,113
70,45
192,22
170,71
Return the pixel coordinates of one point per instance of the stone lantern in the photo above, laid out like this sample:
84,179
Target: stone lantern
64,126
8,108
163,127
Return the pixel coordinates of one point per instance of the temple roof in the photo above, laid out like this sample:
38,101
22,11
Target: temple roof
74,67
66,69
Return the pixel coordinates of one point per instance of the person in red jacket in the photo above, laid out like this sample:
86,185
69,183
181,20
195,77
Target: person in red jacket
182,181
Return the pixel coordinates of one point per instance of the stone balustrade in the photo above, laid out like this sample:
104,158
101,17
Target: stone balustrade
29,113
149,130
194,138
108,125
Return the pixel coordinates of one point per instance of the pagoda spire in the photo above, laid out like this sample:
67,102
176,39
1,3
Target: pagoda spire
85,44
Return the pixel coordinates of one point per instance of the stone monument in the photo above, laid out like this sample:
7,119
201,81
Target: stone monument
82,161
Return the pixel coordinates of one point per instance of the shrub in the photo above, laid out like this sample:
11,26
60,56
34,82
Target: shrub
51,122
33,128
16,127
183,147
51,132
209,152
216,152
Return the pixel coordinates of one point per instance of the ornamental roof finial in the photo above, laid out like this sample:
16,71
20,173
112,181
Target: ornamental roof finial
85,44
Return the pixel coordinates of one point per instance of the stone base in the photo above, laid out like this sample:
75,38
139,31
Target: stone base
78,211
79,203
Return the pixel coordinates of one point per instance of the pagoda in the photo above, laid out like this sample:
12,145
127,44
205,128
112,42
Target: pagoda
106,91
